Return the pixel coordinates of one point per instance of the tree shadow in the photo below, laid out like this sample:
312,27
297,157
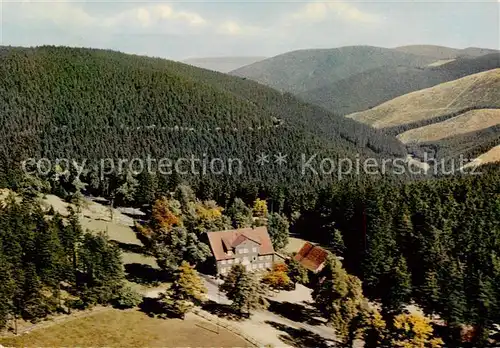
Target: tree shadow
223,311
129,247
301,337
154,308
295,312
133,213
145,274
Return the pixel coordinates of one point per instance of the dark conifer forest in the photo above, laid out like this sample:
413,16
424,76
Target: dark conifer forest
95,104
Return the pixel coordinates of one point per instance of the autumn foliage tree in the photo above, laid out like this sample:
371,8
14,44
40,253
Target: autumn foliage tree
260,208
277,278
186,290
412,331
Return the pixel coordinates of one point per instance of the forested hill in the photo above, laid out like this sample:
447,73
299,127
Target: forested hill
91,104
303,70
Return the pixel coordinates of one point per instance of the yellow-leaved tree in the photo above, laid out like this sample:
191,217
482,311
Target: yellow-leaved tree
414,331
259,208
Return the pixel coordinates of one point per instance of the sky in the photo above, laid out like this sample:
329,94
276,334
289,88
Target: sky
187,29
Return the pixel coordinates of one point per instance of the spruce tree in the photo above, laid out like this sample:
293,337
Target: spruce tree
242,289
278,228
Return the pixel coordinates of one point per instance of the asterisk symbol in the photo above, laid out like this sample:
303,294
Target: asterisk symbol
262,159
280,159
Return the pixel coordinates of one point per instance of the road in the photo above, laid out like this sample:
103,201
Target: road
258,325
211,284
213,292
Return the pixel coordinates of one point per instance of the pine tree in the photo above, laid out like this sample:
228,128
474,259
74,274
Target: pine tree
33,305
242,289
240,214
398,293
70,237
296,272
430,294
278,228
101,267
339,297
7,285
337,242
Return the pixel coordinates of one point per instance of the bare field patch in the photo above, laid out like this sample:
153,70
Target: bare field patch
474,90
492,156
467,122
97,217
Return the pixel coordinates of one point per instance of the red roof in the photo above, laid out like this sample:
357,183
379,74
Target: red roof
311,257
221,241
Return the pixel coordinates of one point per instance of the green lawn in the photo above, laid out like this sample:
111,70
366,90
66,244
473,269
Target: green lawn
131,328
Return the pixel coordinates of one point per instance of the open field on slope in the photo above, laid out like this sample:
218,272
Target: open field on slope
222,64
96,217
491,156
465,123
482,89
441,62
442,52
115,328
371,88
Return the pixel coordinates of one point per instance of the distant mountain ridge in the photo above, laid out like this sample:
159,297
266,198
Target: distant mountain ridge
222,64
374,87
442,52
303,70
355,78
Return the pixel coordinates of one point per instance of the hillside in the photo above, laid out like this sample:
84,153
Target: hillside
491,156
373,87
94,104
441,52
222,64
467,122
303,70
480,90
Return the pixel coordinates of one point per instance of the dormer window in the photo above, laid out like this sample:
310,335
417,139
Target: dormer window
230,252
254,249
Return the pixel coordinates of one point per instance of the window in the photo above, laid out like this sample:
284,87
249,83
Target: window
261,265
268,264
261,258
223,262
245,250
254,266
254,249
230,262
